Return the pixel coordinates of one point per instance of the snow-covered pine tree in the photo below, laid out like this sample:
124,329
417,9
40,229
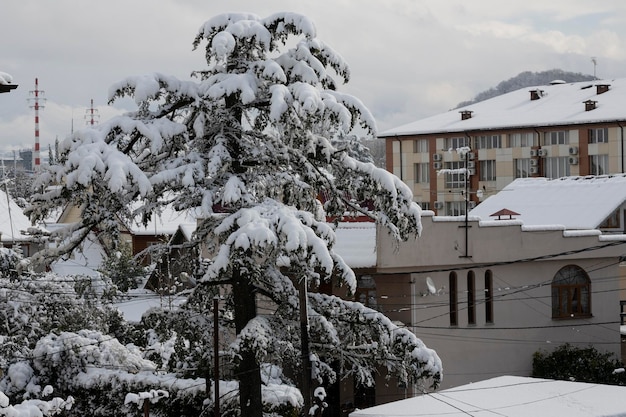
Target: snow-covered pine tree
247,145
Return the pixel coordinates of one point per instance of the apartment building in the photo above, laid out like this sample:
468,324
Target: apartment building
556,130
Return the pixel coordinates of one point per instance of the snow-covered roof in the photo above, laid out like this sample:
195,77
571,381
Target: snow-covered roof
356,244
574,202
512,396
5,78
13,221
558,104
165,223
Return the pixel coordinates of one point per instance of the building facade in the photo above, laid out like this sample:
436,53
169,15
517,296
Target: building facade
551,131
487,294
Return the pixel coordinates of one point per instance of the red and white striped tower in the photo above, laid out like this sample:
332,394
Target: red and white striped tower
92,115
36,105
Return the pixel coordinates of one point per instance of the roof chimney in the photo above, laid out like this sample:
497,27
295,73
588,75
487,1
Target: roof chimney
466,114
602,88
590,105
535,94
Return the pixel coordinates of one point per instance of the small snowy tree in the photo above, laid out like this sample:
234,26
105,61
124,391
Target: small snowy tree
248,146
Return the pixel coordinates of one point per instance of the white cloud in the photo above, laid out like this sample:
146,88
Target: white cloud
409,59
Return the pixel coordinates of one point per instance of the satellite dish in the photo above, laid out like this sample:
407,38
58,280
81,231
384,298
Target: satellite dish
431,286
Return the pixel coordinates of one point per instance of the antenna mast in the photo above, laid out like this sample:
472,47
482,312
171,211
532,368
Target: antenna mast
92,115
35,100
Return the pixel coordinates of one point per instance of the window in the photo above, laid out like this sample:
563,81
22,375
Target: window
366,291
420,146
455,180
488,142
488,296
571,289
600,135
598,164
522,168
557,167
454,143
522,140
471,298
488,170
422,172
612,222
455,208
425,205
560,137
454,302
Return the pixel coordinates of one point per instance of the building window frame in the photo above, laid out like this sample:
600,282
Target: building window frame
522,168
458,179
556,167
421,146
571,293
488,142
522,140
487,170
457,142
454,299
598,164
471,297
599,135
422,172
488,296
556,137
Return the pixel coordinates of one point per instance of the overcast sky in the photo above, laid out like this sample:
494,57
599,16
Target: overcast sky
409,59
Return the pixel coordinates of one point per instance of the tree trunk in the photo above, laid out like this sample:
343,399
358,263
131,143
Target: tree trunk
248,371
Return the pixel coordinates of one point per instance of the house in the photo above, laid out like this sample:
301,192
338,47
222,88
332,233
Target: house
510,396
553,131
486,293
15,227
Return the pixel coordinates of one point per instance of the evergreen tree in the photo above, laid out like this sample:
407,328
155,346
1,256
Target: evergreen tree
247,145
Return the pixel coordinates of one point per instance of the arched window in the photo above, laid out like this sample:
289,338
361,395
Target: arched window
471,298
454,299
488,296
571,293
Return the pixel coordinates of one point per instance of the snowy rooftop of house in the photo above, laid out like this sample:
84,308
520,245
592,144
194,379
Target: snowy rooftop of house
164,223
557,104
356,243
581,203
512,396
11,225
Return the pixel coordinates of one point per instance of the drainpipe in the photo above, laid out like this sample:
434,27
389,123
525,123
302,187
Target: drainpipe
621,128
401,161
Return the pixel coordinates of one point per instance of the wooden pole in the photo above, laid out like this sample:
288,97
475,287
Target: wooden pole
216,357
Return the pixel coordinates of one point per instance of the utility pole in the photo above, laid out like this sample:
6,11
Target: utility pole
304,336
216,357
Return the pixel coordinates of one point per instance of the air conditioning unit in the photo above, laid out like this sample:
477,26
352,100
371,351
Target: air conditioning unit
471,204
436,157
534,162
437,165
471,164
534,170
542,152
533,152
471,155
573,160
438,205
573,150
471,171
